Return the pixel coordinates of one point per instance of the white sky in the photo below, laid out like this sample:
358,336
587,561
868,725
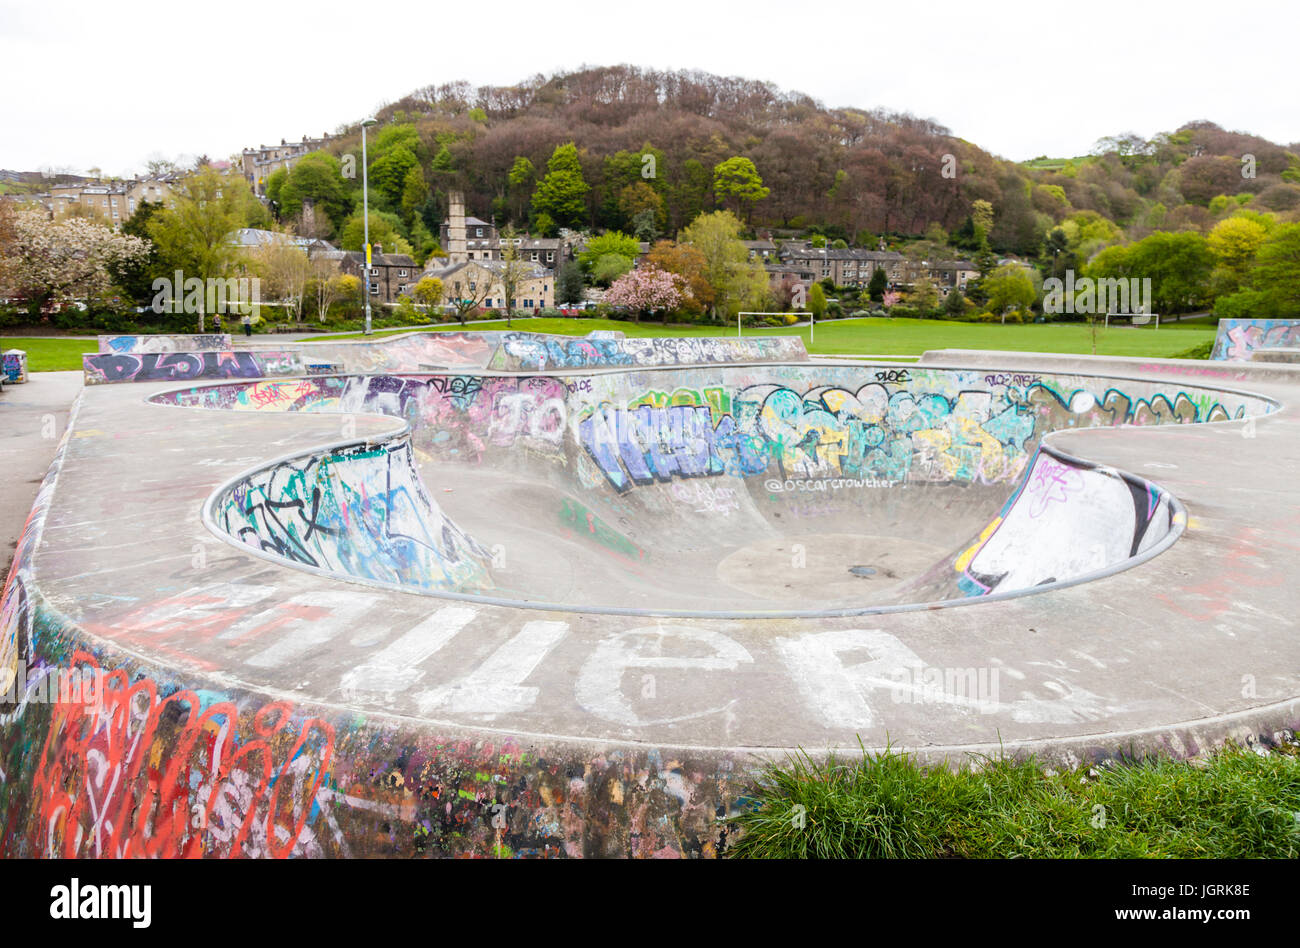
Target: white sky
111,84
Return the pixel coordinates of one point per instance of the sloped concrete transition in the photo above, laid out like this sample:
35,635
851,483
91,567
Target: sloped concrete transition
499,594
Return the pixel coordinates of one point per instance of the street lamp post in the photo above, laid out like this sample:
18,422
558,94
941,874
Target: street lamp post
365,216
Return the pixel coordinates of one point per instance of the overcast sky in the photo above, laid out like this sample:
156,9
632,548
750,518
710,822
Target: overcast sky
109,85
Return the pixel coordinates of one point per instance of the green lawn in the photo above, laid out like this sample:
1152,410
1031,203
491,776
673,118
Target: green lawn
911,337
1235,804
888,337
50,355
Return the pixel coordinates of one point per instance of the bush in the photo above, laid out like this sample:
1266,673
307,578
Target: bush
1196,352
1244,304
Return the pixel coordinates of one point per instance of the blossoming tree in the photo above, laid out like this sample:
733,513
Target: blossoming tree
59,260
647,290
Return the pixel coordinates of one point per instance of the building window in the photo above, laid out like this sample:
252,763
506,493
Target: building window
374,289
401,273
550,256
478,231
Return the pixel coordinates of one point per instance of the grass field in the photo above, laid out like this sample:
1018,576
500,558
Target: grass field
886,337
1235,804
912,337
49,355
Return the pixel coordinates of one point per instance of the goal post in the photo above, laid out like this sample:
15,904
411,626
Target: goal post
1138,319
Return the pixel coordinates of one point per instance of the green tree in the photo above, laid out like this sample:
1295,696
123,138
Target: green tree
924,296
877,285
544,225
1178,265
1276,276
608,267
645,226
195,233
1234,242
954,304
981,215
738,283
568,283
626,177
388,175
1009,286
316,177
385,228
562,193
521,180
135,276
612,242
414,193
443,166
272,185
736,184
428,291
397,135
817,301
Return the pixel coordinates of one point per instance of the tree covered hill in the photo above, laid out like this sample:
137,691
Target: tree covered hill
648,146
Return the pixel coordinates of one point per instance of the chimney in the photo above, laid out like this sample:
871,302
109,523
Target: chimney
379,250
457,251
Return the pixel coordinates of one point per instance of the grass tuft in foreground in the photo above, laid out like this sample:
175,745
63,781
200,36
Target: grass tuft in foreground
1235,804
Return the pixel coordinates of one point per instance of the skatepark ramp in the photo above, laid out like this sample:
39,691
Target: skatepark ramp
765,490
418,606
190,358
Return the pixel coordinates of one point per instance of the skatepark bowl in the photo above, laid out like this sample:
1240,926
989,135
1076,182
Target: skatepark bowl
488,595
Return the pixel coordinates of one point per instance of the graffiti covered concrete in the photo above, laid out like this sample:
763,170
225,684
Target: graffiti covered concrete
359,511
101,368
199,342
250,708
1238,338
616,452
13,365
536,352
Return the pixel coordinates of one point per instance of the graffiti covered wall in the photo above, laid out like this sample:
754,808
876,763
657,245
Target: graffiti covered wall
1067,518
1238,338
199,342
811,431
361,511
105,756
101,368
536,352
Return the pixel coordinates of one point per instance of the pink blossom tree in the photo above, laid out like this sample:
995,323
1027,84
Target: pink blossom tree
647,290
891,299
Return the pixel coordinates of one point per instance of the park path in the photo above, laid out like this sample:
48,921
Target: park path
33,417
